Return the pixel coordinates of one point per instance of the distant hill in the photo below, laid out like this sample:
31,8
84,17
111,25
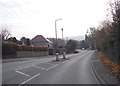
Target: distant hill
79,38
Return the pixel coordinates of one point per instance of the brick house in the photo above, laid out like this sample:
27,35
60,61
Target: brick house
39,40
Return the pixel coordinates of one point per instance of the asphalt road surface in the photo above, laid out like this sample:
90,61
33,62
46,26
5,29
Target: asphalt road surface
76,70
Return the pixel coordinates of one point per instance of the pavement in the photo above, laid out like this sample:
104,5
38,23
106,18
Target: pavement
101,72
24,59
28,58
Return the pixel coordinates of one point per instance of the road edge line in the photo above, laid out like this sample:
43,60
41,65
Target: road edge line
95,76
101,81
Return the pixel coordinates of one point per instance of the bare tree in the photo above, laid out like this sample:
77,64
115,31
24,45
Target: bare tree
5,33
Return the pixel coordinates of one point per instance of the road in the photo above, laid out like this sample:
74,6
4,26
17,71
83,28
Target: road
76,70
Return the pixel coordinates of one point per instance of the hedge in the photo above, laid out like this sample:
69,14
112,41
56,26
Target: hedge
9,48
30,48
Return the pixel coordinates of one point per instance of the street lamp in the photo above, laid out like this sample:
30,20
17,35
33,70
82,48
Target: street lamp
63,45
56,29
62,33
88,40
57,58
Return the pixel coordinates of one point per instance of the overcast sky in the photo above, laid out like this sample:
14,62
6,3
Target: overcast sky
37,17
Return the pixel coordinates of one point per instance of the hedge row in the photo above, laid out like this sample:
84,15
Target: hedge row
30,48
12,48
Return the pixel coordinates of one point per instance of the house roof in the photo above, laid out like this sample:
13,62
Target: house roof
40,38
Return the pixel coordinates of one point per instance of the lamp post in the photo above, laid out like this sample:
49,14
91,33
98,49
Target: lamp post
63,45
56,48
88,41
62,33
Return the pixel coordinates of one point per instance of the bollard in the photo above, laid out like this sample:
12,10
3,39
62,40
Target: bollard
64,55
57,57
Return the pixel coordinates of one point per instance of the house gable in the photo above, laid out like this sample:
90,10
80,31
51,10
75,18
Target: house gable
39,40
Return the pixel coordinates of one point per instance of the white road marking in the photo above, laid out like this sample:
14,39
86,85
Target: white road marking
38,67
52,67
22,68
49,63
29,79
65,61
22,73
95,76
41,59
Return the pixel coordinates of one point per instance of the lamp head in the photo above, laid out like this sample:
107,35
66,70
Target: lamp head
60,19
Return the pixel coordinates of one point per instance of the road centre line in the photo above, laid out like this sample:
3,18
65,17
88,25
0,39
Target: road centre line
22,73
38,67
52,67
29,79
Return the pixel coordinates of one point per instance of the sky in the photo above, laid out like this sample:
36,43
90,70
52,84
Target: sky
28,18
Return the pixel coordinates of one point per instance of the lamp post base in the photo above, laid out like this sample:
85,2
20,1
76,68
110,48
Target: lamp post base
57,57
